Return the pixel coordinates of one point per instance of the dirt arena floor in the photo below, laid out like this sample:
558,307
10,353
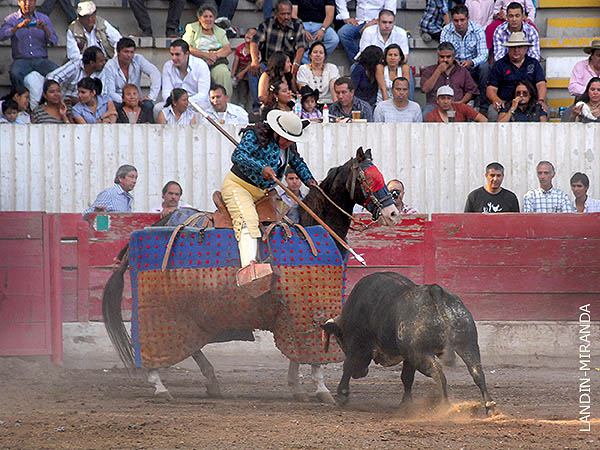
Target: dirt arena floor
43,406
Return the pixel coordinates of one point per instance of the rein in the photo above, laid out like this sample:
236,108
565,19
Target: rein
363,226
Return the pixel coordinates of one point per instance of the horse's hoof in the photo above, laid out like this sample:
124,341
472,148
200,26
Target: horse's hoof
301,397
213,390
490,409
163,395
326,397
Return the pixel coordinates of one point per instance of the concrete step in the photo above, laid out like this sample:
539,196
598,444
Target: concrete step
562,67
568,4
564,102
571,42
558,83
561,27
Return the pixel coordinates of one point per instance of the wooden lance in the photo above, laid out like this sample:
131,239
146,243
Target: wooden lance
293,196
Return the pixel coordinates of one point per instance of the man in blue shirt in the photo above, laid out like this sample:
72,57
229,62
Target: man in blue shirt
30,34
469,42
515,66
116,198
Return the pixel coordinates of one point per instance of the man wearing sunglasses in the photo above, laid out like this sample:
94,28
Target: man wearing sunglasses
396,188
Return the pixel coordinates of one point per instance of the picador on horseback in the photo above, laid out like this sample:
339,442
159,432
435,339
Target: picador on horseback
263,154
182,269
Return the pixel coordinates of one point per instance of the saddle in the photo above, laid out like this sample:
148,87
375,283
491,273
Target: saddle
257,278
270,209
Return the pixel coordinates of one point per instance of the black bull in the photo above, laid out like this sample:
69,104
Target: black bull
389,319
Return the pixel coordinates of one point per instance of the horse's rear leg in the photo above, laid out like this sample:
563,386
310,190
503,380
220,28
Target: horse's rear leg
160,390
212,384
293,380
323,394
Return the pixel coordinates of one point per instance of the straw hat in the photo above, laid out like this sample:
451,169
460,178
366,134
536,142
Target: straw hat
594,46
517,39
86,9
287,124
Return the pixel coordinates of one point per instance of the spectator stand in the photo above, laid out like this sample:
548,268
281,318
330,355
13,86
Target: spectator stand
565,26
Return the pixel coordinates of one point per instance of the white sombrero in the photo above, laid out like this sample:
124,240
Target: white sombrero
517,39
287,124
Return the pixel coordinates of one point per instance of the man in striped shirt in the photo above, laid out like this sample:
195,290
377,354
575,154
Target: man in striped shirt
69,74
515,21
116,198
546,198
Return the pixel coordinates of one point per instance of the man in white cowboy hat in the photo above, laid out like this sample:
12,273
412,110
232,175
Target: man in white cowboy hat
89,29
515,66
263,154
585,70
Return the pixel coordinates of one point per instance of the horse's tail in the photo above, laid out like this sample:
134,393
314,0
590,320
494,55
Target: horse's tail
111,312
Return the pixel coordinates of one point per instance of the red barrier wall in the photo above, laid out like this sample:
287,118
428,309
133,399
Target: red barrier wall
87,256
504,267
30,285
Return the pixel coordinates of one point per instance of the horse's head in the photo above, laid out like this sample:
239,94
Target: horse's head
372,190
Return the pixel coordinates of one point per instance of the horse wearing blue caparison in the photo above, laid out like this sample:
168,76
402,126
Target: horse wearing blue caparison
195,299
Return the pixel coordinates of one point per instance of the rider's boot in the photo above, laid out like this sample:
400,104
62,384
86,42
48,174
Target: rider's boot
254,277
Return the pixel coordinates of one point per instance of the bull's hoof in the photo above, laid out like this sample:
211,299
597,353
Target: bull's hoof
342,397
301,397
490,409
163,395
213,390
326,397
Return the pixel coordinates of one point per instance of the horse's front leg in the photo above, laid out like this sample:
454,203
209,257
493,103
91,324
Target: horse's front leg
212,384
160,390
293,379
323,394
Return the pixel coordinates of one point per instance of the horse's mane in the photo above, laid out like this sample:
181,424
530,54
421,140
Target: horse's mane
334,185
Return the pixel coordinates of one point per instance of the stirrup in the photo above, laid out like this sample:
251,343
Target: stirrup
255,278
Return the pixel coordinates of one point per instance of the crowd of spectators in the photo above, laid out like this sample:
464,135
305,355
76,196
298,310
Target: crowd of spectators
488,65
491,198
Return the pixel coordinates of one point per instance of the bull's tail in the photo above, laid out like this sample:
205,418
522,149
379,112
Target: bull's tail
111,312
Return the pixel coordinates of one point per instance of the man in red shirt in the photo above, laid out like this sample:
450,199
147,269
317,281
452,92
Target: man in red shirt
447,110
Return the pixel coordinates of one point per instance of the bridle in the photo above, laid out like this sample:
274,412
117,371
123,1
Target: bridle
375,201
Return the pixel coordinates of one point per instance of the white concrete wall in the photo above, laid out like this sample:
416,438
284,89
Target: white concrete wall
61,168
86,345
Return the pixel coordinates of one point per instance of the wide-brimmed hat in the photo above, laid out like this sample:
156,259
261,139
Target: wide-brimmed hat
287,124
306,91
595,45
445,90
517,39
86,8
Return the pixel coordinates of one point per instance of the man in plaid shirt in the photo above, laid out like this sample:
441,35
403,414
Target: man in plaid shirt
116,198
468,39
434,18
546,199
279,33
69,74
515,21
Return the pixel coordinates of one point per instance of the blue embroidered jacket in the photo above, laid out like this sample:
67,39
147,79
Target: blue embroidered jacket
249,160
